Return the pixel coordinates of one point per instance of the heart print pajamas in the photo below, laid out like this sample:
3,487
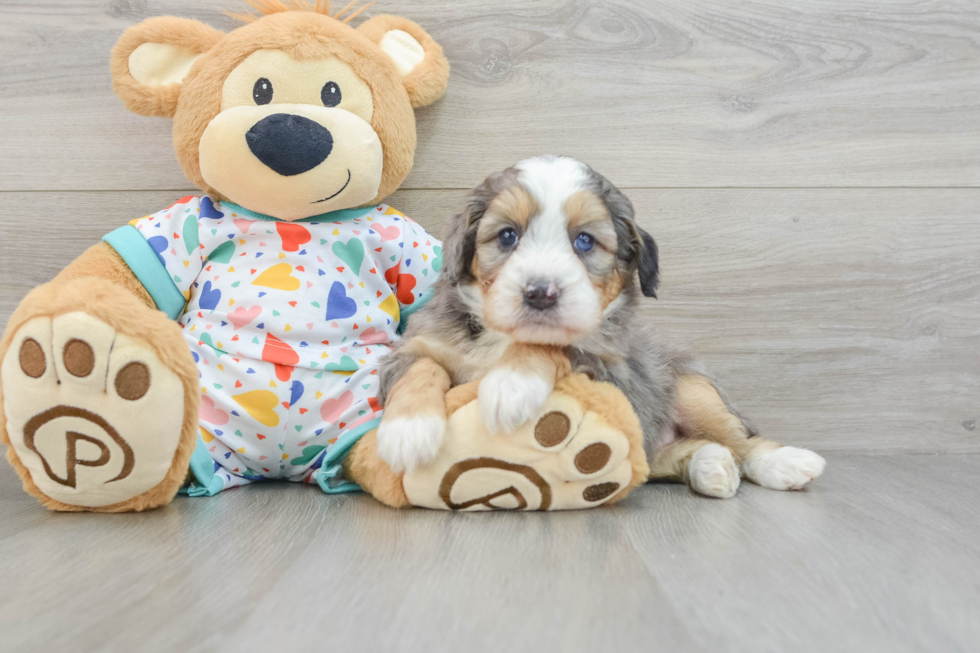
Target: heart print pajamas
287,322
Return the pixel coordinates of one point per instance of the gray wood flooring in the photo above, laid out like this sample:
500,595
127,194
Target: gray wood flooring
879,555
811,171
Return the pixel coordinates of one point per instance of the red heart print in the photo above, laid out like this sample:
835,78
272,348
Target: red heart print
293,235
391,275
405,284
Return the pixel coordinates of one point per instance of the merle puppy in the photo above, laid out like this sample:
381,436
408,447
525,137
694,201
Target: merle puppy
546,267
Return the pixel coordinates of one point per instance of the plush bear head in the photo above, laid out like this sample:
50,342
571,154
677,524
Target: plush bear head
294,114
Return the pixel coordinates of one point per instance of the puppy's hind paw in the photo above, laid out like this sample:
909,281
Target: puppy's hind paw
713,472
785,468
509,399
409,442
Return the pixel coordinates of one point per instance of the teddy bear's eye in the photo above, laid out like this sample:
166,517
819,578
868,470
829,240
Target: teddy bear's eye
330,94
262,91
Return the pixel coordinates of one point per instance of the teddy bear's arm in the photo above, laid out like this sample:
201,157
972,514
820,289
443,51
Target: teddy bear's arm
102,261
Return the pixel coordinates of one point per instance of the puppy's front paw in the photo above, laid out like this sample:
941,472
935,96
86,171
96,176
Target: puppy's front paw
409,442
509,398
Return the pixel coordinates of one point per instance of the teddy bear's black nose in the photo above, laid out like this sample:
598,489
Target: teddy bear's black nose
289,144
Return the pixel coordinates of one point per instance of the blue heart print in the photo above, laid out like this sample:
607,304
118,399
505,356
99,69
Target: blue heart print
209,298
295,392
159,245
339,305
208,210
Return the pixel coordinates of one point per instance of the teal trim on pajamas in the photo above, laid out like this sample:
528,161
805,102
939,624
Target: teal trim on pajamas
330,478
333,216
207,482
130,244
413,307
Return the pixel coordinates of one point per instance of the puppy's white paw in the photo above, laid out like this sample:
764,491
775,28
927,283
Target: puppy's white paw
786,468
409,442
509,398
712,472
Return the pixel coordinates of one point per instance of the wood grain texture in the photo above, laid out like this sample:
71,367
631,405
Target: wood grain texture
879,555
843,319
701,93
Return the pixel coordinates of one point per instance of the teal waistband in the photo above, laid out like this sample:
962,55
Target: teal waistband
145,264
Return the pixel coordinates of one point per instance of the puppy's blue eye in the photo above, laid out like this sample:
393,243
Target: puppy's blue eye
507,237
584,242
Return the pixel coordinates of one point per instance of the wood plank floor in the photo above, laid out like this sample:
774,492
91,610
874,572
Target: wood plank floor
879,555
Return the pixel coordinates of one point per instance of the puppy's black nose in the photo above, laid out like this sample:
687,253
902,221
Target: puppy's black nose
541,296
289,144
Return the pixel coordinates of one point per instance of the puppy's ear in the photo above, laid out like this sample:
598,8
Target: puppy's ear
637,249
418,58
459,247
648,265
151,59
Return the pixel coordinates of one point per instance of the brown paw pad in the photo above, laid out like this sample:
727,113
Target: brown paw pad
133,381
593,458
599,491
32,361
552,429
78,357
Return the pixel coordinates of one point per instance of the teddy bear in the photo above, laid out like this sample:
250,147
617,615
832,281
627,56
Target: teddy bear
235,337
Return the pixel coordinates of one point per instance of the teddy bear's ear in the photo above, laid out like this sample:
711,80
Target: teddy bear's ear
419,59
151,59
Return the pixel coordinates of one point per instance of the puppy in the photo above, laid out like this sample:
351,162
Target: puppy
543,273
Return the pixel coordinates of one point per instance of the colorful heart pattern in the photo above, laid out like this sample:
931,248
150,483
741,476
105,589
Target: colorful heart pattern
209,297
242,316
351,253
279,276
261,405
333,409
208,413
287,323
339,305
371,336
292,235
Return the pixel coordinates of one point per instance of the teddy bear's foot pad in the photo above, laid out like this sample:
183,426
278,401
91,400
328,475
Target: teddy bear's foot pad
566,458
92,414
